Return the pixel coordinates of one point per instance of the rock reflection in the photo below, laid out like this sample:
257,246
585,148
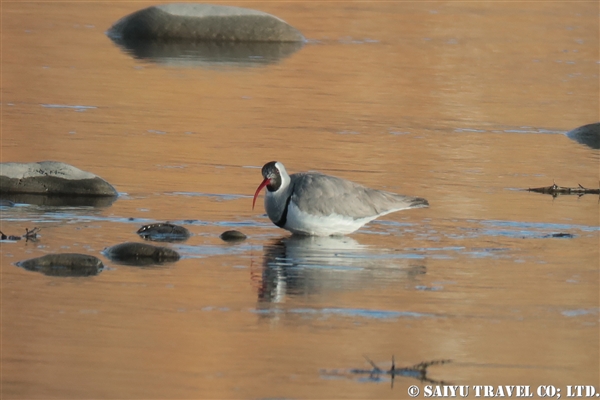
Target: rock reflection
300,266
58,200
209,54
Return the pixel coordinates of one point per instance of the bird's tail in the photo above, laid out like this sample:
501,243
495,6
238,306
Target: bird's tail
418,202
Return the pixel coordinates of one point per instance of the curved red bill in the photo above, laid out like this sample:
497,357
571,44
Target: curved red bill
262,185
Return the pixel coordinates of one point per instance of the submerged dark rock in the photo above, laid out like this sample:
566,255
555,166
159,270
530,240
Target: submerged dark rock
164,232
64,264
233,236
140,254
51,178
588,135
203,22
559,235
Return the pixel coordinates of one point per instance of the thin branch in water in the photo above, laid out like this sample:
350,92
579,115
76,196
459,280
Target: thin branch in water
556,190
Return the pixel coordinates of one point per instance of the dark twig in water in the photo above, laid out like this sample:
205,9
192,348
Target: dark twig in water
29,235
9,237
418,371
375,367
393,370
556,190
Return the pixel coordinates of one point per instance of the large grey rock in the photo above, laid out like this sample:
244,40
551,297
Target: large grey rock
64,264
200,22
51,178
587,134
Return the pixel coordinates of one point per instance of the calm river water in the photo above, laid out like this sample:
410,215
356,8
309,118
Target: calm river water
463,103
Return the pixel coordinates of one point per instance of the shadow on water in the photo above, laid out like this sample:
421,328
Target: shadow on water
209,54
298,266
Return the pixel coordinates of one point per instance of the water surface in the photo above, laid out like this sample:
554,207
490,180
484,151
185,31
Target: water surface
461,103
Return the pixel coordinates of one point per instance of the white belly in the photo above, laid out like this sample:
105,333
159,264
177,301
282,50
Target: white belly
303,223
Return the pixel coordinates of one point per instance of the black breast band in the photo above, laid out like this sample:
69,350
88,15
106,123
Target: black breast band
283,219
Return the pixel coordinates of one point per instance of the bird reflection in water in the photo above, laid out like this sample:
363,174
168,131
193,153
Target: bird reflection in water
300,266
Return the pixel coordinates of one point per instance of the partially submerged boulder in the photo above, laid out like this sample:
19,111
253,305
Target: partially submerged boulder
140,254
587,134
64,264
203,22
51,178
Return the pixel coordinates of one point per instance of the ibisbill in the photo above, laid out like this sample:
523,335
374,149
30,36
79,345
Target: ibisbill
311,203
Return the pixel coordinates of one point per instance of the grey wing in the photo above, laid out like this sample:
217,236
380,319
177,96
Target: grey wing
320,194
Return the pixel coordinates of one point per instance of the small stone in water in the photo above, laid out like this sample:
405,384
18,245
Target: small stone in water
233,236
164,232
